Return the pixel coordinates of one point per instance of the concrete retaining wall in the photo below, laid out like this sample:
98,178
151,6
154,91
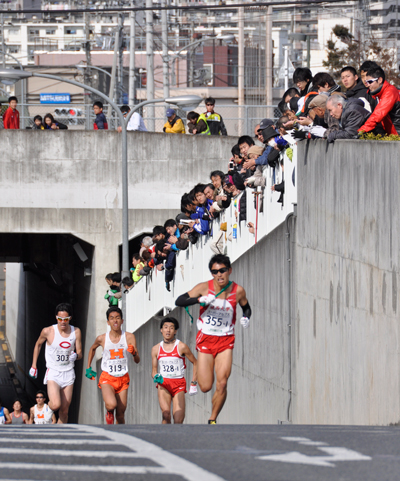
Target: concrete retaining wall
258,386
347,327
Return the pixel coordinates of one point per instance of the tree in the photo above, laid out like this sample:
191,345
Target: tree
355,53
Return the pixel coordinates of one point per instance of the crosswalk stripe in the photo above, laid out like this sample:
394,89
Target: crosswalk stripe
66,452
96,442
88,468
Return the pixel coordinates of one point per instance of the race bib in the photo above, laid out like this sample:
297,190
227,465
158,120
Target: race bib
61,357
217,319
171,368
117,367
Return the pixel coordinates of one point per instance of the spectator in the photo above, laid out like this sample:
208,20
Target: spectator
113,294
388,109
245,142
198,124
128,284
145,245
201,214
175,124
364,69
257,133
51,124
355,89
350,113
239,200
18,416
267,133
138,265
214,120
323,82
11,115
164,254
257,180
135,122
303,79
100,122
37,123
4,415
148,263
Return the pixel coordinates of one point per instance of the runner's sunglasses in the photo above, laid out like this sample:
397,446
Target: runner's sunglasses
63,318
214,272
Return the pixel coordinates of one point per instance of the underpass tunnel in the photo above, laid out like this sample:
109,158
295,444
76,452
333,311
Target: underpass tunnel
43,270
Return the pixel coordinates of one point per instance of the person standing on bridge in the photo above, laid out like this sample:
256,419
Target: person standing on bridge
168,372
218,299
114,380
4,415
63,348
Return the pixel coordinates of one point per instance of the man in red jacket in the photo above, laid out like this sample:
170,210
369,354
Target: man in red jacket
11,115
387,110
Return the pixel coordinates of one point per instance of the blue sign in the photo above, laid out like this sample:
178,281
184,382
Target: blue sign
55,98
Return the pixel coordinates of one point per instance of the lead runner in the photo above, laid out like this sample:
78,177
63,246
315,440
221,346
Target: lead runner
216,324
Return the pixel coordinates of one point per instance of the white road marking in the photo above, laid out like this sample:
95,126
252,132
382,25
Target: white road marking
334,454
97,442
66,452
84,468
172,463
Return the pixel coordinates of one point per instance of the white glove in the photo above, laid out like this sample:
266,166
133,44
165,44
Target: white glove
245,322
208,299
33,372
48,415
73,356
193,390
111,293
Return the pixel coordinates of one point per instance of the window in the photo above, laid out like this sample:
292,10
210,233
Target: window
13,31
13,48
50,31
70,31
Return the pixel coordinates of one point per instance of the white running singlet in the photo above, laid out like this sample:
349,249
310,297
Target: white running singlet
171,365
57,354
219,317
40,415
115,356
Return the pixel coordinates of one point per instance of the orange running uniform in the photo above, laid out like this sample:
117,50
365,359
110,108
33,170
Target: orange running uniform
115,364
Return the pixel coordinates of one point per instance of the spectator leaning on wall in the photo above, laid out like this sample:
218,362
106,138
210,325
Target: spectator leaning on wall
351,114
11,115
198,124
175,124
214,120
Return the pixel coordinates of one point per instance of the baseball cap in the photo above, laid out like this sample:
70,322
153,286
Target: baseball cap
318,101
255,149
170,112
266,123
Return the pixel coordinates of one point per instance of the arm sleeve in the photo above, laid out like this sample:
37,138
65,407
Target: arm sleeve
184,300
177,128
246,310
349,131
201,127
263,159
6,120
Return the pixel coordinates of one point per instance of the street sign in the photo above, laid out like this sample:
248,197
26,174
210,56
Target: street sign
55,98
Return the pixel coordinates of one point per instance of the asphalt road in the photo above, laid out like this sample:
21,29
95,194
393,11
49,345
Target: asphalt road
199,453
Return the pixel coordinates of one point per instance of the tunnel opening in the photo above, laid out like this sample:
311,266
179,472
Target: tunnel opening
43,270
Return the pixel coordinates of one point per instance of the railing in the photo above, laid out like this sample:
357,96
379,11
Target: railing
150,296
237,119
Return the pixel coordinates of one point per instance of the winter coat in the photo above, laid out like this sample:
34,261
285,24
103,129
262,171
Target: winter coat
354,114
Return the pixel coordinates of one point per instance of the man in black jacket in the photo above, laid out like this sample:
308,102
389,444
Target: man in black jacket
355,89
351,115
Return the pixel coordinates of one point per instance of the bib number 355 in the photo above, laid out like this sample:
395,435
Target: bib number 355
215,321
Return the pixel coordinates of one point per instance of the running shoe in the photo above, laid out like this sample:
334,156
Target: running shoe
109,417
212,421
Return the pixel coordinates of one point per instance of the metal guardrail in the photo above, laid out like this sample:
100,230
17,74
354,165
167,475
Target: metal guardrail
149,296
238,120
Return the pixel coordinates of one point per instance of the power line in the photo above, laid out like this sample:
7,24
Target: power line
250,6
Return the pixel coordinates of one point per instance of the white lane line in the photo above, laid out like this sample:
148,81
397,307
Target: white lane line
172,463
84,468
66,452
97,442
48,433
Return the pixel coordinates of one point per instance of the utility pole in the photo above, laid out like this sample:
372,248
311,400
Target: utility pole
114,66
132,73
191,56
164,22
3,44
241,69
87,71
150,65
120,88
268,60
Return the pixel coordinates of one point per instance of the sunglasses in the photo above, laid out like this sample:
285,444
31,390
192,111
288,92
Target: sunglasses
39,397
214,272
61,319
208,105
371,81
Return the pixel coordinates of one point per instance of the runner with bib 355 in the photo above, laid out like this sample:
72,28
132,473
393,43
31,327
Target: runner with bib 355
216,324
